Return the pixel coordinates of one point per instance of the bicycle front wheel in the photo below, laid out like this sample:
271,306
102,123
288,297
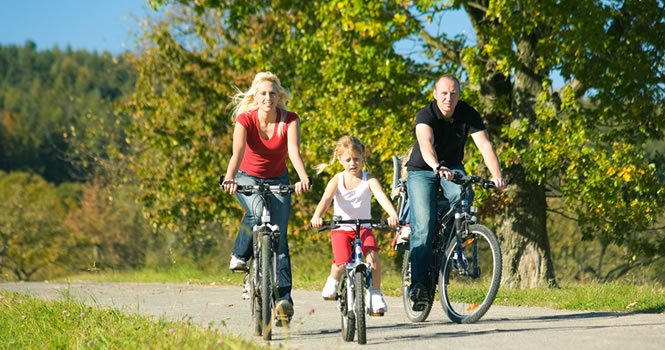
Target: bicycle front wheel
359,290
347,315
266,287
468,283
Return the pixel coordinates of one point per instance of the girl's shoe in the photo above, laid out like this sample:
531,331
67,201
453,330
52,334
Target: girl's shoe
329,291
376,302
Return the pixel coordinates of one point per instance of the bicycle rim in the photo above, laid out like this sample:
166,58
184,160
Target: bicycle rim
347,317
359,307
466,296
266,288
414,316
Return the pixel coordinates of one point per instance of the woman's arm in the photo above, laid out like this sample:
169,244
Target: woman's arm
293,136
239,144
324,204
383,200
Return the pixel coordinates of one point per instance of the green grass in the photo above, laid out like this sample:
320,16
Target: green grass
31,323
589,296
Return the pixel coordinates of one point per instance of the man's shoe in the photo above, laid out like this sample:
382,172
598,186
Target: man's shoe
419,297
237,264
329,291
283,313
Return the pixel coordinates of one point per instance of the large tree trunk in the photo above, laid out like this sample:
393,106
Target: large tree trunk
526,249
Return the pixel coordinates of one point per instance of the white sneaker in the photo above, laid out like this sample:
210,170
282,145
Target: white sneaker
376,301
237,263
329,291
405,232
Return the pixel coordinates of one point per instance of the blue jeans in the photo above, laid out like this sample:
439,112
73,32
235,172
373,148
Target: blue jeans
280,208
422,188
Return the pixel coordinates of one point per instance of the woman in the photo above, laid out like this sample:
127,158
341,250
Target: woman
265,132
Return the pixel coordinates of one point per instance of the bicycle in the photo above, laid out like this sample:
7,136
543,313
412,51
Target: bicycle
262,276
467,258
356,279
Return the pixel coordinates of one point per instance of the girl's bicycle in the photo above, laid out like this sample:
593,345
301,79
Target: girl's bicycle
356,280
467,259
262,276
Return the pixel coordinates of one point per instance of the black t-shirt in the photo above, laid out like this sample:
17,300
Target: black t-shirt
449,134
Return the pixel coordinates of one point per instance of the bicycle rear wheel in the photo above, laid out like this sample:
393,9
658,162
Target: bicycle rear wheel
467,295
347,316
414,316
266,287
359,307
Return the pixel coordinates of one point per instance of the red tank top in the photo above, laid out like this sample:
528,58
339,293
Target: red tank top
265,158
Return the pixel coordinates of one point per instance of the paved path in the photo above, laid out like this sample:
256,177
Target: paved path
501,328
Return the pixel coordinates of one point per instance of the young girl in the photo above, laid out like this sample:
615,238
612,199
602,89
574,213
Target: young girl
352,192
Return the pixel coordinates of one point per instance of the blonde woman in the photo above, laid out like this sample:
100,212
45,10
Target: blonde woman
265,133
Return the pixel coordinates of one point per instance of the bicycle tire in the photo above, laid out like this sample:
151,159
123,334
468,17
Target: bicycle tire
359,307
466,297
256,297
413,316
347,316
266,287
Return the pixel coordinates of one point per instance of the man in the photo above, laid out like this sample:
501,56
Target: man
442,127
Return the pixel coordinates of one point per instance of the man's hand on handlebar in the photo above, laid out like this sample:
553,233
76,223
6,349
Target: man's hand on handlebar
444,172
499,183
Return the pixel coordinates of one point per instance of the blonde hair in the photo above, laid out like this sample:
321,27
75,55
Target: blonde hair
244,101
345,143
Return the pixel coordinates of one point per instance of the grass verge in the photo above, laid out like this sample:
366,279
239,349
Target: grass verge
31,323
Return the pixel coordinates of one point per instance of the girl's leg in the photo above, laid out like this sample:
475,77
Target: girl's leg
374,260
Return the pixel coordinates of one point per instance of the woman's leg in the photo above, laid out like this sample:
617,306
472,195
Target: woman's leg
242,247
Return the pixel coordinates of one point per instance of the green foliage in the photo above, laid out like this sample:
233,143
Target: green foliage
583,142
32,237
48,98
30,323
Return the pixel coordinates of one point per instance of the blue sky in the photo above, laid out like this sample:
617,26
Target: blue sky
94,25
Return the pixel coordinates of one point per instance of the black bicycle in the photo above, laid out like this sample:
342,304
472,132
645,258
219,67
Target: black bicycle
355,281
467,258
262,277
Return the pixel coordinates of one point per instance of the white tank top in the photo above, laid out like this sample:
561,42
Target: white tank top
352,204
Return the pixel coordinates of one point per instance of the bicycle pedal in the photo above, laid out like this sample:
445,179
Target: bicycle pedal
331,298
375,314
419,306
282,321
240,270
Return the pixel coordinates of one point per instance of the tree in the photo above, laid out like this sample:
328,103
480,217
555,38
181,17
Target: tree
582,142
32,236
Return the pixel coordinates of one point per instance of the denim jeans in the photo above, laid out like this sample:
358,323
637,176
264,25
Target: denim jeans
422,188
280,208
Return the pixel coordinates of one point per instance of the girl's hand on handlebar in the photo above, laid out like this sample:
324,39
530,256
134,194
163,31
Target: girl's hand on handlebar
303,185
230,186
393,221
317,221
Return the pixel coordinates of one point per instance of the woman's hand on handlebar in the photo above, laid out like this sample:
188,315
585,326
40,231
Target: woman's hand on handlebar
304,185
230,186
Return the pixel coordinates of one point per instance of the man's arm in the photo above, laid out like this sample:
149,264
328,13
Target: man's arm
483,143
425,136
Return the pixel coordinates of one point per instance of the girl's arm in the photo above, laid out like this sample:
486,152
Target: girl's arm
324,204
383,200
239,144
293,136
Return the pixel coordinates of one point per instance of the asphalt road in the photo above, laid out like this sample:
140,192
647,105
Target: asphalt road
316,322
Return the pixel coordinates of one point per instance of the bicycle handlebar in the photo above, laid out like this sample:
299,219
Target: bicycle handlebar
470,179
378,223
263,188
